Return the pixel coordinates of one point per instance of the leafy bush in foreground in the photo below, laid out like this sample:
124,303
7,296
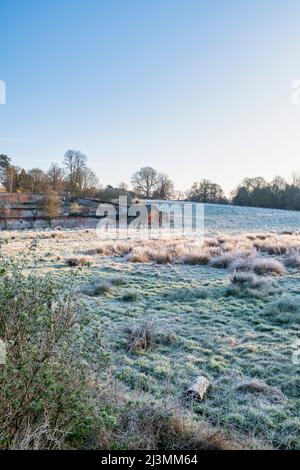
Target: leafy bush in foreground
45,396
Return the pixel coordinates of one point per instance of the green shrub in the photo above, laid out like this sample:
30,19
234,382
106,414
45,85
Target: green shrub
46,396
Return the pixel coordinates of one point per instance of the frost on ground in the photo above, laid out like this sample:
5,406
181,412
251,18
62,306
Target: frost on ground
171,310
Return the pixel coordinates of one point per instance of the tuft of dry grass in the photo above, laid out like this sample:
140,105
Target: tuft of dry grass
193,258
264,267
110,248
284,311
79,260
141,337
154,426
223,261
103,286
98,287
257,386
249,281
130,295
243,264
162,257
117,281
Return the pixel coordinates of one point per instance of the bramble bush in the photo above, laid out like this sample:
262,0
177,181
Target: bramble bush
46,391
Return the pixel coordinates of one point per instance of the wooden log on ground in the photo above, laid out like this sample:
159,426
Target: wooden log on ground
2,352
198,388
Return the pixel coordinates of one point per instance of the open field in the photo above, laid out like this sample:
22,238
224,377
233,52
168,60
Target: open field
164,312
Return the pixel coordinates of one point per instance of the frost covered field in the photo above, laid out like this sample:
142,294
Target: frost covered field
164,312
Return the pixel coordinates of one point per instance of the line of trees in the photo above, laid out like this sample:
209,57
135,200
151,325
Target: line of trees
73,176
77,179
278,194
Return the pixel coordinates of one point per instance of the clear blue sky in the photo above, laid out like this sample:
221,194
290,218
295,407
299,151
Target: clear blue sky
198,89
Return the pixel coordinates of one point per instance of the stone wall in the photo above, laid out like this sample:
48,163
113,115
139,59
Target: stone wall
25,211
40,223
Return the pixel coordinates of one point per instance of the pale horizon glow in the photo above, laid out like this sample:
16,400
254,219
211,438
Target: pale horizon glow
195,89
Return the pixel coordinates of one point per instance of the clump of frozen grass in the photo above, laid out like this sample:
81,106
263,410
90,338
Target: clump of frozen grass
111,248
167,339
193,258
278,244
141,337
211,243
145,335
264,267
243,263
186,294
225,259
260,387
249,284
284,310
249,281
103,286
153,425
292,261
138,255
162,257
79,260
117,281
98,287
130,295
153,254
222,261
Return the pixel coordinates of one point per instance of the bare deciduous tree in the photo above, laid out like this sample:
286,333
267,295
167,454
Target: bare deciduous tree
56,177
75,163
123,186
144,181
39,181
164,187
89,180
11,178
4,165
